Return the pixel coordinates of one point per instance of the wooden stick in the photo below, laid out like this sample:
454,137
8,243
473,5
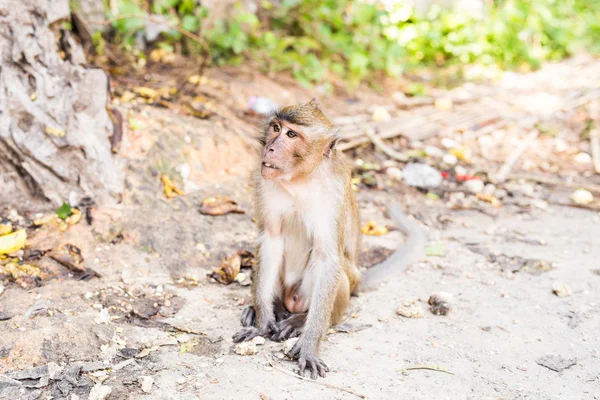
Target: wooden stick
514,157
555,182
427,367
384,148
595,145
329,385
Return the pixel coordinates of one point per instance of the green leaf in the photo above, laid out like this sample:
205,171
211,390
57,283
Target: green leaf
64,211
436,250
190,23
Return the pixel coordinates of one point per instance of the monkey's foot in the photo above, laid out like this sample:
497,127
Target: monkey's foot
251,332
289,327
248,317
308,362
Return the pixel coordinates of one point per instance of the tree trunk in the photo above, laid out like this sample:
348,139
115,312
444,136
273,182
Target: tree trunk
54,126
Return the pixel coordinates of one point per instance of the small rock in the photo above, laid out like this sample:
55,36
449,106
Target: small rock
500,194
561,289
103,317
395,173
433,151
54,371
259,340
289,344
123,364
146,383
583,158
5,316
381,114
489,188
556,362
450,159
128,352
582,196
449,143
410,309
443,103
245,349
100,392
440,303
5,382
421,175
474,186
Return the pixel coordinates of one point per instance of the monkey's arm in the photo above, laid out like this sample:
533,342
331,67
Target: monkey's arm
266,289
409,253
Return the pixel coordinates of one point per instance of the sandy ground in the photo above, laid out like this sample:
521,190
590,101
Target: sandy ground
168,331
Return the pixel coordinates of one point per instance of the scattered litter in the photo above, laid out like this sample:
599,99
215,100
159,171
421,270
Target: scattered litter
462,153
146,383
556,362
372,228
435,250
103,317
561,289
169,187
582,196
13,241
41,307
64,211
219,205
395,173
69,256
449,159
421,176
440,303
410,309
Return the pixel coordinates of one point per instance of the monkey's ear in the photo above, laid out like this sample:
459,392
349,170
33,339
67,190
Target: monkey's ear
331,145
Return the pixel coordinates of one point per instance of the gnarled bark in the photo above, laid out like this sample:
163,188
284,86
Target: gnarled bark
54,126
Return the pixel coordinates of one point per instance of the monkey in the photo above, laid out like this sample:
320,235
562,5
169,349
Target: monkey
309,235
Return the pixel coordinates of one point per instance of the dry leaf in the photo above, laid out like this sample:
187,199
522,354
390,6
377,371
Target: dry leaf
146,92
489,198
247,259
219,205
169,187
228,270
13,241
373,229
410,309
69,256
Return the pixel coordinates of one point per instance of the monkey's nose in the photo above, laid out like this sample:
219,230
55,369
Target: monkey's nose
271,149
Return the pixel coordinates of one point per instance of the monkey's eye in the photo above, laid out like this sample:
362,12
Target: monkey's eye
291,134
276,128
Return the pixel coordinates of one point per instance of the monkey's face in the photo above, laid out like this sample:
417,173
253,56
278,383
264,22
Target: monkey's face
286,149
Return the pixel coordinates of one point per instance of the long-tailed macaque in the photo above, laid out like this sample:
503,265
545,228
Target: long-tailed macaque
309,239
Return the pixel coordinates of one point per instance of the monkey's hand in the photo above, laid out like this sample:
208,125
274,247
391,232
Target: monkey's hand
308,360
251,332
290,327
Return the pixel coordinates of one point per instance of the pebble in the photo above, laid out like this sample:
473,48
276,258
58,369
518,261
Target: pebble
289,344
450,159
583,158
421,175
245,349
489,188
582,196
395,173
433,151
561,289
474,186
410,309
146,383
100,392
381,114
449,143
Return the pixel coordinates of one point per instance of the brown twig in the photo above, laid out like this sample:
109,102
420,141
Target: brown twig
509,164
329,385
384,148
427,367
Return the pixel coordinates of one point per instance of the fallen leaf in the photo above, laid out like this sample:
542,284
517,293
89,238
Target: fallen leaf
64,211
219,205
228,270
13,241
371,228
146,92
489,198
55,132
185,347
169,187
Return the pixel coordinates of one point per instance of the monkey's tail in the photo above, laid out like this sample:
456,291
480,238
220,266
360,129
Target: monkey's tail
409,253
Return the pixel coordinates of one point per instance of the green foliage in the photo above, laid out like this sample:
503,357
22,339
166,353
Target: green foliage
64,211
356,40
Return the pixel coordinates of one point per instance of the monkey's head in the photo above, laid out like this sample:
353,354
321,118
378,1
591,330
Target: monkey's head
295,141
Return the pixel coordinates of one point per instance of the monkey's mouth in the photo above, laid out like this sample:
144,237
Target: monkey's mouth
268,165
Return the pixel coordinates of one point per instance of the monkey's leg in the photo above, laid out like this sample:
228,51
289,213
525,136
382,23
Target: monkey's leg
341,301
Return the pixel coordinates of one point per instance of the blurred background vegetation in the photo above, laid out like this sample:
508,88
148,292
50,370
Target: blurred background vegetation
354,41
